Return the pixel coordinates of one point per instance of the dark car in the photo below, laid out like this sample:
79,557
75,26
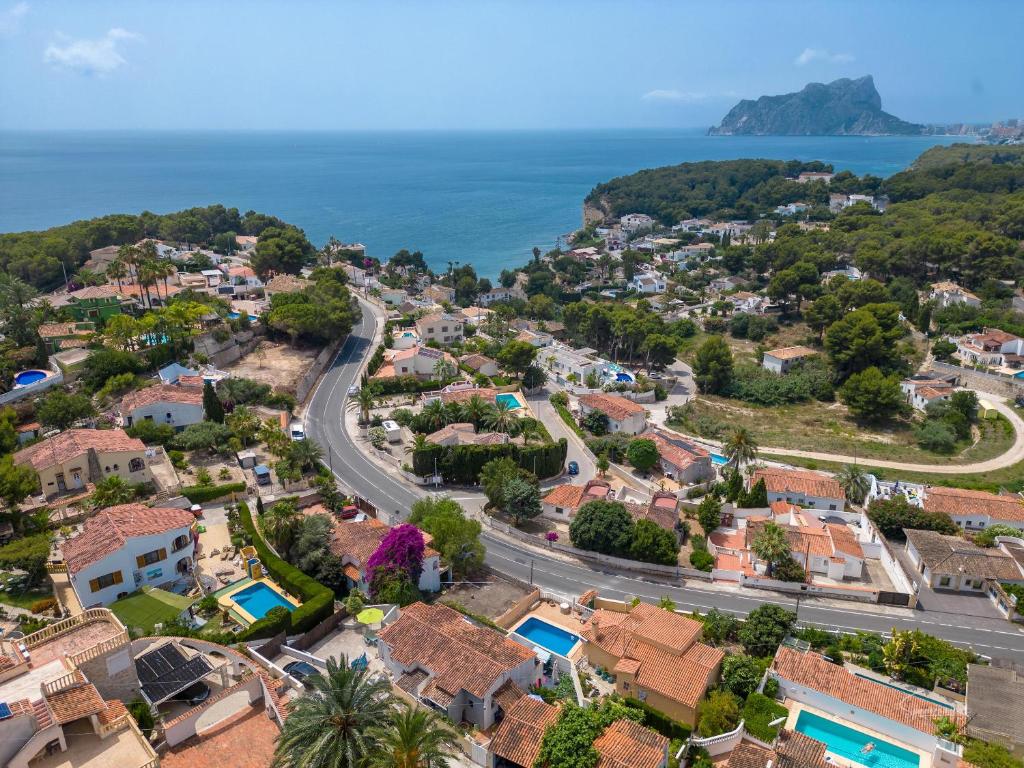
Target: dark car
348,512
574,468
195,694
300,670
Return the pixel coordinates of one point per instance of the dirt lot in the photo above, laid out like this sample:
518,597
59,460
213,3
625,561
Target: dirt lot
278,365
490,600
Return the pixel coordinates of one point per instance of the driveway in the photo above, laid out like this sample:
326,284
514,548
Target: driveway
549,417
939,602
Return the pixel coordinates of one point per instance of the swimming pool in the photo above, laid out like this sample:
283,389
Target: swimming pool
1019,375
848,743
235,316
718,459
622,376
554,639
258,599
509,399
904,690
24,378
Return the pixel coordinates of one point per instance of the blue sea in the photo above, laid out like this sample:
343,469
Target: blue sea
484,198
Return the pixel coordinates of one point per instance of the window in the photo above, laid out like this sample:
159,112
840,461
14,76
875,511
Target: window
831,506
944,581
136,465
108,580
151,557
181,542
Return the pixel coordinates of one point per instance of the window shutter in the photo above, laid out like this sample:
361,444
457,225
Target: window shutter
162,554
117,577
140,561
94,585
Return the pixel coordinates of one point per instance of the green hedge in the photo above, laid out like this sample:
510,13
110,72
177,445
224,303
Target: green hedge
461,464
570,421
394,385
660,722
317,600
197,494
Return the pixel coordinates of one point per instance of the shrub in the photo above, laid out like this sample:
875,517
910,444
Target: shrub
29,554
741,674
44,605
771,687
719,713
659,721
760,710
198,494
702,560
139,710
151,433
891,516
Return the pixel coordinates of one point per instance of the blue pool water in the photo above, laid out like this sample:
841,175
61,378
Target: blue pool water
623,377
258,599
848,743
903,690
235,316
718,459
555,639
1019,375
509,399
25,378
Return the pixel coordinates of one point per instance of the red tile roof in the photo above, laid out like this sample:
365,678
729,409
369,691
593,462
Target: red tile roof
960,502
810,670
108,530
615,406
625,744
791,353
80,700
677,451
358,540
799,481
458,654
72,443
518,736
161,393
574,496
94,292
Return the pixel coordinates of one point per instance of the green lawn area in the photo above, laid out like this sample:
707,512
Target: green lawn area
828,428
22,598
148,607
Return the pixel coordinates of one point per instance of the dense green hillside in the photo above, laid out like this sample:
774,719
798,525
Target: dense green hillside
959,154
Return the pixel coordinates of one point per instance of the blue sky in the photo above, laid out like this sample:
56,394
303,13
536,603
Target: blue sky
483,64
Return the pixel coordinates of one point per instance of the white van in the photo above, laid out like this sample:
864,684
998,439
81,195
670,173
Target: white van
297,431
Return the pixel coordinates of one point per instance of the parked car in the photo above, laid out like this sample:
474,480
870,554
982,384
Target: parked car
348,512
195,694
298,432
573,467
353,390
300,670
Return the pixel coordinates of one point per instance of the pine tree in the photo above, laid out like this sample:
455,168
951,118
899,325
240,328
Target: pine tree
211,404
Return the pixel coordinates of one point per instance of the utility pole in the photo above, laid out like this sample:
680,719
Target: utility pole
531,571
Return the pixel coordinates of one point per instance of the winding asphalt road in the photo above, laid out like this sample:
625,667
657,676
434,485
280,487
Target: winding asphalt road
361,475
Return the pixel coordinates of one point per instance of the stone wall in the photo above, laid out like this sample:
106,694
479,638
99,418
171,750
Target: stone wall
113,674
991,383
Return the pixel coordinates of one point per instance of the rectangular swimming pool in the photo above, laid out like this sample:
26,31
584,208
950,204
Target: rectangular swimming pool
850,743
509,399
554,639
258,599
718,459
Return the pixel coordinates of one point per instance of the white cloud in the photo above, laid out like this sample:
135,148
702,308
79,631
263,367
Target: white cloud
821,54
95,56
673,95
10,19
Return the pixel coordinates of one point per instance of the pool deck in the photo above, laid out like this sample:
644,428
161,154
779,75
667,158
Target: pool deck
553,616
796,707
224,597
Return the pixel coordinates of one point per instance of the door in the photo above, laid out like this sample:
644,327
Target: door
76,478
62,485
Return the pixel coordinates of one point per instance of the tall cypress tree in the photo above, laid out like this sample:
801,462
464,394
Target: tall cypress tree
211,404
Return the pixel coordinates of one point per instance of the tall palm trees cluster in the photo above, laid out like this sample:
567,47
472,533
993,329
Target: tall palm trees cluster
140,264
349,718
495,417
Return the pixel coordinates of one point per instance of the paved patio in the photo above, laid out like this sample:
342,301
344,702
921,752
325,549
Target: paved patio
347,643
244,741
124,749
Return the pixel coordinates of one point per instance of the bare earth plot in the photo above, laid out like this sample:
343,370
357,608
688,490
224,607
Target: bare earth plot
278,365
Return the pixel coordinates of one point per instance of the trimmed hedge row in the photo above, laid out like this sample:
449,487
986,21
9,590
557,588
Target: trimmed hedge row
394,385
461,464
659,721
197,494
317,600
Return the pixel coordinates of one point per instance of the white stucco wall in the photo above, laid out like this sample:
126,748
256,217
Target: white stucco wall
178,415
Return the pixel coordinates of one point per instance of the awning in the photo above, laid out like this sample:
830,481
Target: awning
542,655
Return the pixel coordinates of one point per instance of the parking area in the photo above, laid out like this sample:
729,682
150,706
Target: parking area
349,644
954,603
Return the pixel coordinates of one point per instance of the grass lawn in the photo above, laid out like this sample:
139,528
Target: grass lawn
148,607
21,598
828,428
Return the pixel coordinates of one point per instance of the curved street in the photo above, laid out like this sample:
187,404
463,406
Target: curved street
359,474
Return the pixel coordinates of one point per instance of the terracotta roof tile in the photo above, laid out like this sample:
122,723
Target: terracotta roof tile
462,395
81,700
72,443
518,736
108,530
811,670
508,694
799,481
458,654
94,292
952,556
286,284
161,393
747,755
791,353
115,711
677,451
355,541
961,502
615,406
625,744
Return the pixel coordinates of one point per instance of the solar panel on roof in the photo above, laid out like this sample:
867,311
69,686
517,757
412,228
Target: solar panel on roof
166,671
5,710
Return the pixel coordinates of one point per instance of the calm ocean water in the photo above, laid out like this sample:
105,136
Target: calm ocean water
480,198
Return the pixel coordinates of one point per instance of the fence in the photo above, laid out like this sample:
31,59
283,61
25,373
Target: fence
308,639
55,379
519,609
992,383
309,378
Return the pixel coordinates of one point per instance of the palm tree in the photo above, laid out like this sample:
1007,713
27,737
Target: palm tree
117,271
363,401
306,454
435,415
419,442
474,410
854,482
770,544
442,369
415,738
740,447
530,429
128,255
500,417
279,524
336,724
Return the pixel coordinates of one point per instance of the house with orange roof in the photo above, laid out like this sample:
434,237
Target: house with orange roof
69,460
442,327
682,460
355,541
415,361
124,548
623,414
172,404
990,347
464,433
830,549
58,336
809,678
563,501
921,391
454,666
656,657
801,487
782,359
976,510
95,302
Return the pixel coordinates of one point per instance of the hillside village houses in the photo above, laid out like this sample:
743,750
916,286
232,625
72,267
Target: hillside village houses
921,391
682,460
75,457
568,364
123,548
464,433
500,293
947,293
807,176
632,223
623,414
992,347
419,361
838,202
563,501
956,564
648,282
175,405
781,360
